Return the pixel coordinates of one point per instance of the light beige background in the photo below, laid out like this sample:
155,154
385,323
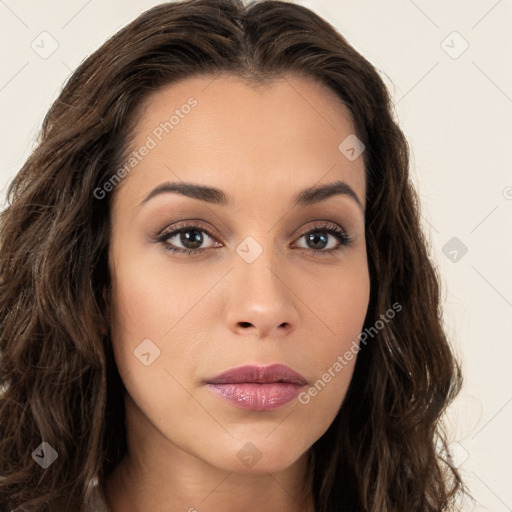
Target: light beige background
456,111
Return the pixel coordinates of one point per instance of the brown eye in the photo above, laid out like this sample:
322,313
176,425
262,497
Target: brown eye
187,239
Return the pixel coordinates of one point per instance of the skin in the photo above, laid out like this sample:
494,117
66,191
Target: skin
210,312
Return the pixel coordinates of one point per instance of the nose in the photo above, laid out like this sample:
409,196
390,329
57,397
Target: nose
261,299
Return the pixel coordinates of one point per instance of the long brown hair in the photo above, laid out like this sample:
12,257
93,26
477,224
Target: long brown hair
384,450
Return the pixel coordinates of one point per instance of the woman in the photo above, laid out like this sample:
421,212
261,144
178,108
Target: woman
216,294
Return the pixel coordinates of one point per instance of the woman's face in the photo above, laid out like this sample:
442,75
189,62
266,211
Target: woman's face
271,281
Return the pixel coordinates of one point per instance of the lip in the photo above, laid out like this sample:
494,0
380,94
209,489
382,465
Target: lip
259,374
257,388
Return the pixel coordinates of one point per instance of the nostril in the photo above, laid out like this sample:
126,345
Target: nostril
245,324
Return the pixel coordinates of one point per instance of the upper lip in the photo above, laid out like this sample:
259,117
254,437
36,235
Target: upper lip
259,374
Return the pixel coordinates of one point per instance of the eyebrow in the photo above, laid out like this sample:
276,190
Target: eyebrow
305,197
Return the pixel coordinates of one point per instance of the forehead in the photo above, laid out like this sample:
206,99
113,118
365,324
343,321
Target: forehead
243,136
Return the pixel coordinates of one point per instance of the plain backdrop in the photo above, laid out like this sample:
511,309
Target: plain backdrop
449,68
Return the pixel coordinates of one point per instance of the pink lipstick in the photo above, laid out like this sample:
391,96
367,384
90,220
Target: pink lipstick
258,388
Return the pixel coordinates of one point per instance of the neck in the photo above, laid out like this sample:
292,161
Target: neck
190,489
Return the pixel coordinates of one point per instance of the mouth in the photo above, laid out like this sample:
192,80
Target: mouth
257,388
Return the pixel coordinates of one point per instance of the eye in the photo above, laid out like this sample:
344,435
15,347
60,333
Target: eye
317,239
190,236
323,238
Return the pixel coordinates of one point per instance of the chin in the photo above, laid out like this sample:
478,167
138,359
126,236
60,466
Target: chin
258,458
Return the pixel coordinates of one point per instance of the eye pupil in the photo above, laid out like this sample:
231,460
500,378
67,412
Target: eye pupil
196,239
314,237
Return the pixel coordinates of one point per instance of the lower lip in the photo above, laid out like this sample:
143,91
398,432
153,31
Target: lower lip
257,397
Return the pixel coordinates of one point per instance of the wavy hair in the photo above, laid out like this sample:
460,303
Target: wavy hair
386,449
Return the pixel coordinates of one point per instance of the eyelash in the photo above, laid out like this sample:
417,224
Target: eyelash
328,227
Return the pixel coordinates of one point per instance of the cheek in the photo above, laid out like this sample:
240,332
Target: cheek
151,312
149,299
340,304
338,300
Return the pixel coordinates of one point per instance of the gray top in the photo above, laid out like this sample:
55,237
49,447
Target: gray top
97,502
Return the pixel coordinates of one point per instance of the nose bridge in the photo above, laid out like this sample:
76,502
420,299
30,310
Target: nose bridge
257,263
261,299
